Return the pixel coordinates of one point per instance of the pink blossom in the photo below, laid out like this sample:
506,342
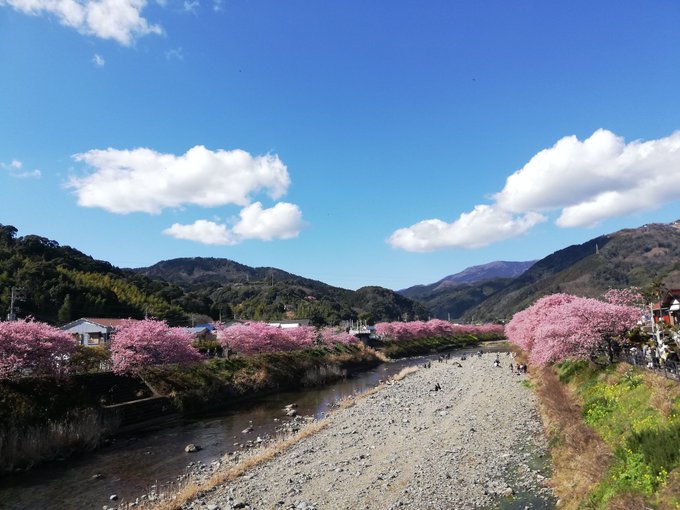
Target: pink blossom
626,297
33,348
331,336
561,326
260,337
436,328
139,344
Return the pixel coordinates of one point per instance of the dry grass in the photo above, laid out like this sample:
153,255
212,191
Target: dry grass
664,392
627,501
579,456
403,373
378,354
669,497
316,376
80,430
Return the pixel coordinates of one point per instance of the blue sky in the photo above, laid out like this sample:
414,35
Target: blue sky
358,142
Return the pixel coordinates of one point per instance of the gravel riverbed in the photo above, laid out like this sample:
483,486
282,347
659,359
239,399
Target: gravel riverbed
475,443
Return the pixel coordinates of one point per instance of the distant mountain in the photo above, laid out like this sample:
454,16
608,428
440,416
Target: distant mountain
473,274
485,272
647,257
269,293
453,295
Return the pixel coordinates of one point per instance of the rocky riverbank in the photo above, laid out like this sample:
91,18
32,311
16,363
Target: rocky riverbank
476,442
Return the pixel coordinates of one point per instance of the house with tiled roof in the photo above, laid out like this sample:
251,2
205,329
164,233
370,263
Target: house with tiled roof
93,331
668,309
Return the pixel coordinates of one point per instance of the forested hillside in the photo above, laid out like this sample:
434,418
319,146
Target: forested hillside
58,284
270,293
647,257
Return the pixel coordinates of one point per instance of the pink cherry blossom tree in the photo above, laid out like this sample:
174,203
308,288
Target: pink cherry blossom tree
259,337
435,328
33,348
521,330
139,344
331,336
562,326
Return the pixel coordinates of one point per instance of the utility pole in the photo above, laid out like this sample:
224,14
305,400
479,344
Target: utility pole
12,316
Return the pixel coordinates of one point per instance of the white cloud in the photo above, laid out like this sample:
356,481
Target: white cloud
98,60
202,231
14,168
586,182
283,221
33,174
120,20
589,180
142,180
482,226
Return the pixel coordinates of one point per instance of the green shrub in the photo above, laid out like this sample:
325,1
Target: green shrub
659,447
646,442
567,370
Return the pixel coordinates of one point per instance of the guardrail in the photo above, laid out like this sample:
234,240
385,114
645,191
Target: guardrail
670,369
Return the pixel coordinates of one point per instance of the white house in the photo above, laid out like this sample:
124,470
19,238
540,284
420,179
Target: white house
291,323
92,332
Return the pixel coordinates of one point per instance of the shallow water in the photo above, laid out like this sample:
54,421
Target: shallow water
132,464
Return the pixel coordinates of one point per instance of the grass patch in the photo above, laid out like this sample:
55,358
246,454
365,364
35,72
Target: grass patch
527,383
579,456
635,417
406,348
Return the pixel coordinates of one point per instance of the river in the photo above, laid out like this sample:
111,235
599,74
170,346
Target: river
130,465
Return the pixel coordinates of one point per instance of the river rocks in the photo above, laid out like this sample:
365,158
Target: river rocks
471,444
290,410
192,448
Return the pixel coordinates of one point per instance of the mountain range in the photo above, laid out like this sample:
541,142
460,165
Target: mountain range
40,278
54,283
453,295
647,257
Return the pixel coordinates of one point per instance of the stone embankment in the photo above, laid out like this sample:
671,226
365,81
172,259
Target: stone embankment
477,442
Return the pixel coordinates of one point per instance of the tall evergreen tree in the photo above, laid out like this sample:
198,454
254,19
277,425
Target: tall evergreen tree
64,315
